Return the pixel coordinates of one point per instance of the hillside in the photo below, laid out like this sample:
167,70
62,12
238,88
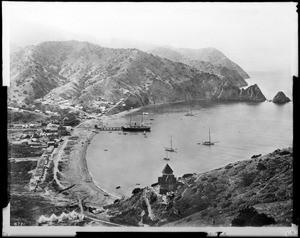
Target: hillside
208,60
82,72
263,185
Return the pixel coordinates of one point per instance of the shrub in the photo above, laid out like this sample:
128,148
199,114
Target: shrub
187,175
261,166
247,179
284,152
116,201
153,198
212,179
226,204
250,217
136,191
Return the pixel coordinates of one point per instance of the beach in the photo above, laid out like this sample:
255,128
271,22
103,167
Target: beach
75,172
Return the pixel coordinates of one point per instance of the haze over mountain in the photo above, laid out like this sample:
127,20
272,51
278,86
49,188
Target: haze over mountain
83,71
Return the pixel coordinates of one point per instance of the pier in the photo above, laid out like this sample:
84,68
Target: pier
110,128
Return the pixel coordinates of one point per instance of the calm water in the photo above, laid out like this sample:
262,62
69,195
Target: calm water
241,129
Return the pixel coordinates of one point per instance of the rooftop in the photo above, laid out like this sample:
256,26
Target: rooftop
167,170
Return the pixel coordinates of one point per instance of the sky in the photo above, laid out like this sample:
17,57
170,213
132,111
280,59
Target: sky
257,36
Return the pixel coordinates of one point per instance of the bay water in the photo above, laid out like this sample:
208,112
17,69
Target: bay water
120,162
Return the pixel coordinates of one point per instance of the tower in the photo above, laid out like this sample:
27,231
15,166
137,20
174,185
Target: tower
167,181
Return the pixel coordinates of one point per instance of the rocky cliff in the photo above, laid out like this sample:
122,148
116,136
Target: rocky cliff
280,98
227,92
81,72
262,184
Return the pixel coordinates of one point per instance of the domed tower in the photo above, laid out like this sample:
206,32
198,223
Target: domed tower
167,181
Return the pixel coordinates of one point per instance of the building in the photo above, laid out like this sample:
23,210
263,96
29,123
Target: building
62,131
167,181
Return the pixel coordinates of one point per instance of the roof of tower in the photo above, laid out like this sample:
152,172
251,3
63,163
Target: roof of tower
167,170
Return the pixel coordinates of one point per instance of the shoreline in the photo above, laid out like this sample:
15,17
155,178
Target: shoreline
77,171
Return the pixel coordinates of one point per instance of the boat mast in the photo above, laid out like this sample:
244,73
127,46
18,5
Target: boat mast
209,134
171,142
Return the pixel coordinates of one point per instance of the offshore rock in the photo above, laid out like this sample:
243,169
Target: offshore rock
280,98
230,92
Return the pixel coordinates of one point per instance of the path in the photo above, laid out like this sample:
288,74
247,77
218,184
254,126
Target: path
56,159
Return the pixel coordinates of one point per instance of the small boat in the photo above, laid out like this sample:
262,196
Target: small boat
151,119
170,149
209,142
190,112
166,158
118,187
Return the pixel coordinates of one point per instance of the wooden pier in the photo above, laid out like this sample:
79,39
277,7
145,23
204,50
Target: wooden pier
109,128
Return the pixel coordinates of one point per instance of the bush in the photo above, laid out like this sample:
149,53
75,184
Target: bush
261,166
250,217
226,204
116,201
247,179
136,191
187,175
153,198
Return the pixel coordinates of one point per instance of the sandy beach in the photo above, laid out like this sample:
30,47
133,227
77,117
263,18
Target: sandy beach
75,172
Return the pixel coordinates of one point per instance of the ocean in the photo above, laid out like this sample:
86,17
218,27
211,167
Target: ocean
239,129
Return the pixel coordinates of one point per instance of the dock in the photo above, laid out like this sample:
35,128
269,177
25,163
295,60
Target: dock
110,128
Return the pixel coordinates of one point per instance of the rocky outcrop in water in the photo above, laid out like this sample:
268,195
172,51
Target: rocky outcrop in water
228,92
280,98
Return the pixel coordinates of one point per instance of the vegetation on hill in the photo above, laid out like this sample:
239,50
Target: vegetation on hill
82,72
262,186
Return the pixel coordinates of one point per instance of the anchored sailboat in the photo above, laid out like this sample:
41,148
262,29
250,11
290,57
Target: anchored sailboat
167,158
190,112
170,149
209,142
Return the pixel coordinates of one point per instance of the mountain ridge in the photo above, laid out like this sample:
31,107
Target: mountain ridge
82,71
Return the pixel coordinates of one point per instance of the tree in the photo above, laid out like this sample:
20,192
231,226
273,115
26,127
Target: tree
250,217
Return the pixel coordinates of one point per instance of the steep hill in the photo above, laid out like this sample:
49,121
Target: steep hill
208,60
82,72
264,183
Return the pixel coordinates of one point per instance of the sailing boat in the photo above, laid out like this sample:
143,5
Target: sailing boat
167,158
136,127
209,142
190,112
170,149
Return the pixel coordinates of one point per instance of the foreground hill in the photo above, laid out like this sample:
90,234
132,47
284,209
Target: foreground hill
82,72
263,185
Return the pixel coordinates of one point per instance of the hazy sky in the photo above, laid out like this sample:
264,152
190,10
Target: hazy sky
257,36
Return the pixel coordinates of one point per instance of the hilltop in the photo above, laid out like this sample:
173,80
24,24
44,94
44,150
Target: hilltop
261,185
208,60
82,72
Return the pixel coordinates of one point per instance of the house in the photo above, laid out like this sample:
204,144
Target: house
62,131
50,130
167,181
